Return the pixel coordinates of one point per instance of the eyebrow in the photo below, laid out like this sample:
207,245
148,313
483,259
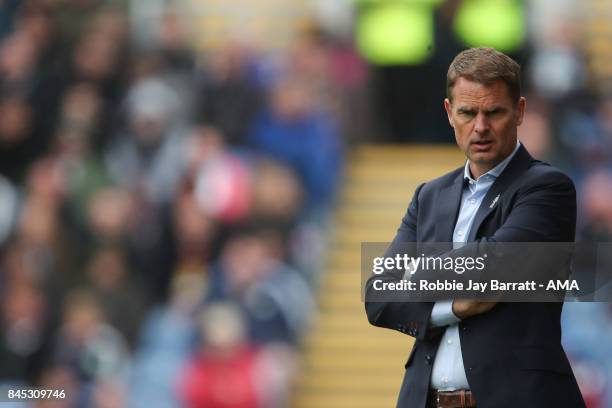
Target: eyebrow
465,109
496,109
469,110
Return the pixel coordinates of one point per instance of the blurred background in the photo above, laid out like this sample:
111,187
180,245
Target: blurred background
184,186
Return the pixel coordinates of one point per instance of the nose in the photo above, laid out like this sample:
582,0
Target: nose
482,124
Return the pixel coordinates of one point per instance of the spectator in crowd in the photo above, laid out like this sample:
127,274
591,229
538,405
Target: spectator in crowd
294,132
224,371
221,178
92,349
166,342
148,157
597,212
121,300
24,331
274,297
7,10
229,98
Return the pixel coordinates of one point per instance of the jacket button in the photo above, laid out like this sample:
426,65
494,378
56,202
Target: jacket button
428,358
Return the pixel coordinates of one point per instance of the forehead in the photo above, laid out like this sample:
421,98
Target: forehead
466,92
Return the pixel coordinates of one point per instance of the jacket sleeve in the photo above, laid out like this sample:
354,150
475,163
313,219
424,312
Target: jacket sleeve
411,318
544,211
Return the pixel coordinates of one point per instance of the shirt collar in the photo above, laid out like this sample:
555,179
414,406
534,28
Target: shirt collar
495,171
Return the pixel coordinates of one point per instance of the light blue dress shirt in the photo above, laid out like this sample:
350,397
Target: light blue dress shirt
448,372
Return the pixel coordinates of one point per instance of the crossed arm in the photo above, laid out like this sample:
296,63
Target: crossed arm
544,211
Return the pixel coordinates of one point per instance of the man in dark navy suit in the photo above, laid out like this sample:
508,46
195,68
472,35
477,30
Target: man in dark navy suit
467,352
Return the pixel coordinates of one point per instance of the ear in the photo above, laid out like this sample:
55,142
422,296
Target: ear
449,112
520,110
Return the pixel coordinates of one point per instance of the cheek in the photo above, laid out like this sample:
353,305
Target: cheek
502,127
462,133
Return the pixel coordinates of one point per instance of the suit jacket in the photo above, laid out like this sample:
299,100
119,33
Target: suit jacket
512,354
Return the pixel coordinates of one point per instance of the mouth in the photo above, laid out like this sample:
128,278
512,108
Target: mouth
482,145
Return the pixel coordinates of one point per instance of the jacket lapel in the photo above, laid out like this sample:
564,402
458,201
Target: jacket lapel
518,165
447,208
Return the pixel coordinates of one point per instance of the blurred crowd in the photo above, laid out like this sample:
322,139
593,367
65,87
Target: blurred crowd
164,211
568,123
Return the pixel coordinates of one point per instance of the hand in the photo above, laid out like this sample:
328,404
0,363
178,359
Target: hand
464,308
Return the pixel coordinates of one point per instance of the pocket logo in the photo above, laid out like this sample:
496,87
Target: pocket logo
494,201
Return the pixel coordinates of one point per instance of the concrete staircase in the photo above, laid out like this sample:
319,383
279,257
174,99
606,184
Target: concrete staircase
346,362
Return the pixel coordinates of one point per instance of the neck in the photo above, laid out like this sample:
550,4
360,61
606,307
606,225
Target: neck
478,170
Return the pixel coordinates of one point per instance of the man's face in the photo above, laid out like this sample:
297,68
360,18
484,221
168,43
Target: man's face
485,119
